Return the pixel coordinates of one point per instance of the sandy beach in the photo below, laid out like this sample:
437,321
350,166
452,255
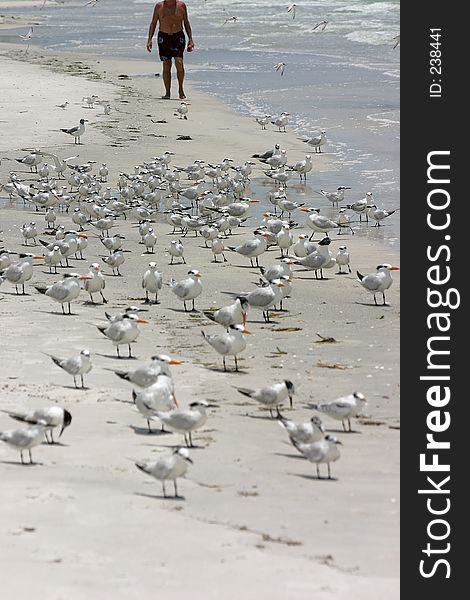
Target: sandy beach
255,522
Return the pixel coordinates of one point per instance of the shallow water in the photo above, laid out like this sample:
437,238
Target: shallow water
344,79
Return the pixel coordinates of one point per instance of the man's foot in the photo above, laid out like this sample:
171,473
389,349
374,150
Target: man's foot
182,96
166,97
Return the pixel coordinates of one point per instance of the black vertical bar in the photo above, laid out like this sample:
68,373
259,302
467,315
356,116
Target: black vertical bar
434,267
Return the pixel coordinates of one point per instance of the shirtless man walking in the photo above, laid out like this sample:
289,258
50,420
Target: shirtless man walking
172,15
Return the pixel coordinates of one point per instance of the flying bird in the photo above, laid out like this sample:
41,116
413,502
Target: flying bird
280,67
291,8
321,24
397,41
233,19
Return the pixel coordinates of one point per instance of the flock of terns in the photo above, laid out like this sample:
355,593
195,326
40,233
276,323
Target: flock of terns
203,201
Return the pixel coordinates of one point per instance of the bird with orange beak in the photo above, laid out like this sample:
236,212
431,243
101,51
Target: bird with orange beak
253,248
379,281
64,291
123,332
229,343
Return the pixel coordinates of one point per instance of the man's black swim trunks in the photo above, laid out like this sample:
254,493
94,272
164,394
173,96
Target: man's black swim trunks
171,45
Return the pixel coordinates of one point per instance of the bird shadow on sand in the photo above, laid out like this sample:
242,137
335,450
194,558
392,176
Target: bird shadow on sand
145,432
373,304
93,304
182,311
59,444
342,432
160,497
262,417
14,294
216,369
116,356
289,455
313,477
72,387
20,464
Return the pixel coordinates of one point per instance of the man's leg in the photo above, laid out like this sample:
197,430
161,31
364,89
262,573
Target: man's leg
167,77
180,74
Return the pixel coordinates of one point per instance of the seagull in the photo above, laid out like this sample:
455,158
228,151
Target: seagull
397,41
167,467
186,421
31,160
342,259
50,417
146,375
64,291
321,24
303,433
122,332
29,232
24,439
230,343
343,409
272,396
64,105
323,451
152,281
90,100
75,365
232,19
303,167
319,259
268,153
263,298
112,243
291,8
234,314
280,67
96,282
378,282
115,260
187,289
303,247
77,131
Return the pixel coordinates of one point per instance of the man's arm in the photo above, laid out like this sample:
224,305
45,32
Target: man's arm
153,25
187,26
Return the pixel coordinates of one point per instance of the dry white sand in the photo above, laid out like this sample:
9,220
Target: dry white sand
255,522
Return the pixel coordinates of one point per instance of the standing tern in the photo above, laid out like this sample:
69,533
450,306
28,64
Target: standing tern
77,131
378,282
148,374
234,314
123,332
20,272
335,197
96,282
29,232
317,222
321,452
316,141
65,291
75,365
253,248
152,281
342,259
24,439
186,421
187,289
361,206
51,417
263,121
115,260
230,343
281,121
263,298
31,160
158,397
303,433
272,396
176,250
379,214
167,468
343,409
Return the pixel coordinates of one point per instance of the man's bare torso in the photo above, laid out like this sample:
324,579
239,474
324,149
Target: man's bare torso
171,15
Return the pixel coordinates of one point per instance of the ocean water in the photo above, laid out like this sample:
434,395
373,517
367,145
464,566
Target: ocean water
344,79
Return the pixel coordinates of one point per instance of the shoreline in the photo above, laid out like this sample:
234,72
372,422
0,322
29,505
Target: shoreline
252,511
